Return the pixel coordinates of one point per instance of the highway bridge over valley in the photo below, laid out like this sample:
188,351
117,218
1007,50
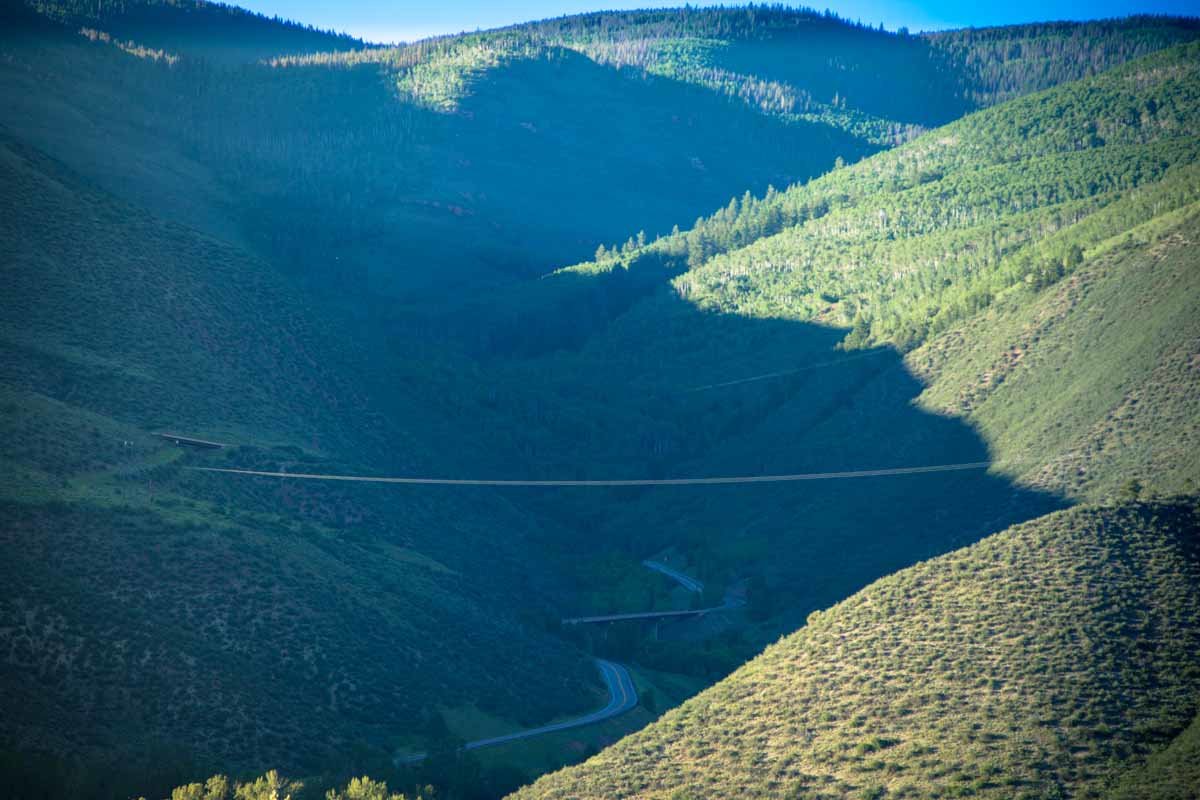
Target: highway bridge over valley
687,612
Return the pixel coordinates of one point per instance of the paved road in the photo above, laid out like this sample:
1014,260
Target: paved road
686,581
622,697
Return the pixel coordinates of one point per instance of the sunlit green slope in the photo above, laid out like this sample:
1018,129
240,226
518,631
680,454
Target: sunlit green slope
1040,662
1091,387
903,245
1074,361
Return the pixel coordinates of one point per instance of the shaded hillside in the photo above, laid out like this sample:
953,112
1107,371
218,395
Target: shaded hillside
216,32
337,174
1045,659
1170,774
143,606
125,315
812,543
1003,63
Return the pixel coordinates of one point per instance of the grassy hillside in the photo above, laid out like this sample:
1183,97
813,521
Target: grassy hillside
126,315
1091,387
1040,662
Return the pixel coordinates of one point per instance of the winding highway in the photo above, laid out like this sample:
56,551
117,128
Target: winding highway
622,697
622,693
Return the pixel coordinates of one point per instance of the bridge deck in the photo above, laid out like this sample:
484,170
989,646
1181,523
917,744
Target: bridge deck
691,612
191,441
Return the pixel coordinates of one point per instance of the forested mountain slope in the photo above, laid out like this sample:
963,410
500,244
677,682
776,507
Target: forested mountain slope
1043,661
908,242
1003,63
378,169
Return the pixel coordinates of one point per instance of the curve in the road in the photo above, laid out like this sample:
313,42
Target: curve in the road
622,697
686,581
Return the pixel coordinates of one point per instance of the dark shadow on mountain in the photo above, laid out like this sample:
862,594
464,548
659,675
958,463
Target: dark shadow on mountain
880,71
333,175
677,391
507,186
675,151
214,32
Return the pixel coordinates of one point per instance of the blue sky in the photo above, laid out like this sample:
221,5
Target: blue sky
405,20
